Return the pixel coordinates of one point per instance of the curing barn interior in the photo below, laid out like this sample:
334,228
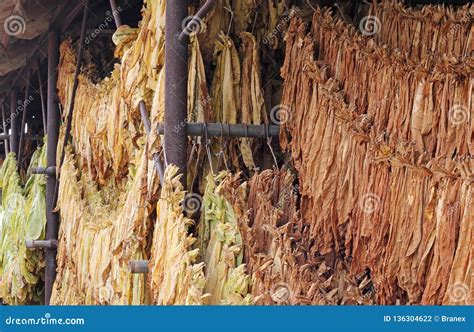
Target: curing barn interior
236,152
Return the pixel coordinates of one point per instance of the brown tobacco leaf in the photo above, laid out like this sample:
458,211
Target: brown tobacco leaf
279,250
199,101
431,107
253,104
368,196
434,31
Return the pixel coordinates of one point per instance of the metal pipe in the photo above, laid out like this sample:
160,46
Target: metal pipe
5,131
15,122
50,171
29,137
147,124
115,13
23,118
227,130
138,267
176,87
52,218
196,20
43,108
80,55
38,244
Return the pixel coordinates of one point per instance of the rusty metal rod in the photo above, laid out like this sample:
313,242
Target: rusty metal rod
196,20
5,131
54,228
38,244
176,87
80,55
138,266
29,137
115,13
14,120
23,118
43,107
52,217
226,130
50,171
147,124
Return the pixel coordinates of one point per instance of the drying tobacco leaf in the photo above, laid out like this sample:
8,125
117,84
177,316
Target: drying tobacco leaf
279,250
433,108
101,231
106,123
175,277
253,103
439,31
366,193
22,217
221,246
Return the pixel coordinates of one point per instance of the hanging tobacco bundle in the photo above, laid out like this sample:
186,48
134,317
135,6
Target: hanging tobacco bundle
22,217
225,90
106,122
237,91
199,110
101,231
111,184
433,31
221,246
252,101
176,277
279,251
432,108
369,196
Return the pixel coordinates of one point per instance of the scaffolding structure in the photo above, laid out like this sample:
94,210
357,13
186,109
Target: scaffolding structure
176,92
